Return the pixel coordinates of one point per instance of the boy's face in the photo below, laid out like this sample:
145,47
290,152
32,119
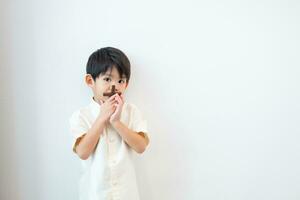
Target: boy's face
104,83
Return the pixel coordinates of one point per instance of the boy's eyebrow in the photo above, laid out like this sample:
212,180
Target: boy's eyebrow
111,75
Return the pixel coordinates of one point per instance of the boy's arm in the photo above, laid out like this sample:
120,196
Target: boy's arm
137,141
88,143
85,145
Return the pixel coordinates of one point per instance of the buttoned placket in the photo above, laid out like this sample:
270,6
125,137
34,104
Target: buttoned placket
112,164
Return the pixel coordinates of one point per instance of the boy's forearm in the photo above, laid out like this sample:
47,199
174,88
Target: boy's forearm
88,143
133,139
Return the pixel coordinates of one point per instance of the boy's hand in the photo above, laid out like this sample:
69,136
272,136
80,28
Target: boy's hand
115,117
108,108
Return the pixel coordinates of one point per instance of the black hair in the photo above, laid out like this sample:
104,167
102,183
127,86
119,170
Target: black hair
106,58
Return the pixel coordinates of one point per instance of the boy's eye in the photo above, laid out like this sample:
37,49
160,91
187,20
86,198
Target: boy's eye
107,79
121,81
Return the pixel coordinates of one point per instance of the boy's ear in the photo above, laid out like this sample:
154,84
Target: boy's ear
89,80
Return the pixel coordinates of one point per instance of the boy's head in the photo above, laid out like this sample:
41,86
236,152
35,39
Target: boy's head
107,67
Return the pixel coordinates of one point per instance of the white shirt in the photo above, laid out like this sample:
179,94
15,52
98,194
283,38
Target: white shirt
108,173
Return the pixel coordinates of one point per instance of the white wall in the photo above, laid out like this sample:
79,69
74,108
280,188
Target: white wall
217,80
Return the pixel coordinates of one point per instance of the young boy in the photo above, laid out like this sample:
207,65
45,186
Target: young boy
108,132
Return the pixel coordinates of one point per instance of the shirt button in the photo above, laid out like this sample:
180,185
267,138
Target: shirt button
115,183
111,139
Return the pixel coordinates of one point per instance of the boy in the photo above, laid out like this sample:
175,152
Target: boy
108,131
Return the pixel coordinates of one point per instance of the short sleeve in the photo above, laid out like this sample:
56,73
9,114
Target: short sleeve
139,123
78,128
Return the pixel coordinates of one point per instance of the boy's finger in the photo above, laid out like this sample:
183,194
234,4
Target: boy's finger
120,99
112,97
118,96
112,102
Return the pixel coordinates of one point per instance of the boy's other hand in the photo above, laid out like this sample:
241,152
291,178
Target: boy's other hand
119,106
108,108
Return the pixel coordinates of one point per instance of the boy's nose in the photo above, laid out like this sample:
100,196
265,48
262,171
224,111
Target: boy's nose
114,88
